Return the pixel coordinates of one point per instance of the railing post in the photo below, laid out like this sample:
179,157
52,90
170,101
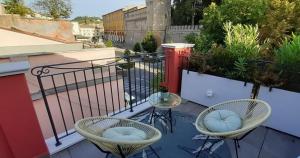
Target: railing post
127,57
48,111
174,52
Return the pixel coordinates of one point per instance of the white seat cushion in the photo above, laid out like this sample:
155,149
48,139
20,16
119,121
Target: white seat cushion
124,134
222,121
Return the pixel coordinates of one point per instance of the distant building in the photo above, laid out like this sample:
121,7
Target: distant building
155,17
114,25
75,28
87,31
135,25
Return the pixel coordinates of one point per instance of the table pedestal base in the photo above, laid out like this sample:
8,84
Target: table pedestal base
166,117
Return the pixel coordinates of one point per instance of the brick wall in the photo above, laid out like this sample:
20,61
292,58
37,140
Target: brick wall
176,34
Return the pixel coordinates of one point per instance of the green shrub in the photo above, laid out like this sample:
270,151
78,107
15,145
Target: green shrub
288,56
242,41
137,47
149,43
200,41
109,43
127,53
15,7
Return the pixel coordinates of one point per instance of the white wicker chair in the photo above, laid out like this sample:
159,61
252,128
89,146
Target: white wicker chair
253,113
92,129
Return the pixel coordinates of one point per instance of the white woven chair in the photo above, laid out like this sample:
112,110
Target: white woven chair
92,129
253,113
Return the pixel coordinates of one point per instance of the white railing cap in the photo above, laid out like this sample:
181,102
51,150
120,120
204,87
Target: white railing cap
177,45
13,68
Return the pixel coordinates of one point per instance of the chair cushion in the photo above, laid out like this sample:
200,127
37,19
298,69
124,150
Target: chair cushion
124,134
222,121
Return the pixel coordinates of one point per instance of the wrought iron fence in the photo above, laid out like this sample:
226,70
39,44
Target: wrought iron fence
76,90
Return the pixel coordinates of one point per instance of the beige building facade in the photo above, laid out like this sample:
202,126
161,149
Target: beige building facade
114,25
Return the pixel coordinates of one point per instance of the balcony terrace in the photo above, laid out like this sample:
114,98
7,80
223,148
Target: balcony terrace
261,143
120,87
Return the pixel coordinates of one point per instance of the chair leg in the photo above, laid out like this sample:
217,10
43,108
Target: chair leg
238,143
152,115
121,152
153,150
198,154
171,120
236,148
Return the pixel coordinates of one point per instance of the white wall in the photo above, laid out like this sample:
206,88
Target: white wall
285,106
195,87
76,28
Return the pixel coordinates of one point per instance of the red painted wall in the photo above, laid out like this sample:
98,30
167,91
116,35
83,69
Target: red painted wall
174,63
20,133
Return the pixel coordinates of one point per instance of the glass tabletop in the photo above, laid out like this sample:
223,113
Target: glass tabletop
164,100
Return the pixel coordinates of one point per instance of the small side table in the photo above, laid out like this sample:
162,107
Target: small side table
166,104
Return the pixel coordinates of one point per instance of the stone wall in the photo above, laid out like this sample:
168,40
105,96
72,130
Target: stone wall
176,34
60,30
135,26
158,18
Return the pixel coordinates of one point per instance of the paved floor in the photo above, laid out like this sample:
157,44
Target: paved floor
276,144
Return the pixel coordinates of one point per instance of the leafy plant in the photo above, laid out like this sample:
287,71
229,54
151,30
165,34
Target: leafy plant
137,47
242,41
149,43
288,56
163,89
240,70
109,43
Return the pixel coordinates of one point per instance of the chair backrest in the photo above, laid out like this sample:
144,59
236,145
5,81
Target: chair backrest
253,112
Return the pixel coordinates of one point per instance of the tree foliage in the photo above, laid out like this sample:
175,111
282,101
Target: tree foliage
87,20
187,12
54,8
17,7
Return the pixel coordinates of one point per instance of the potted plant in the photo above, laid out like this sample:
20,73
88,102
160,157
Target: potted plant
284,94
164,93
225,71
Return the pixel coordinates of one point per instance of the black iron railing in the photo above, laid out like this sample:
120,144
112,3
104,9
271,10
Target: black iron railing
76,90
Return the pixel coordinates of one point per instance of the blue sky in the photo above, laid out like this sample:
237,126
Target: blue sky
96,7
